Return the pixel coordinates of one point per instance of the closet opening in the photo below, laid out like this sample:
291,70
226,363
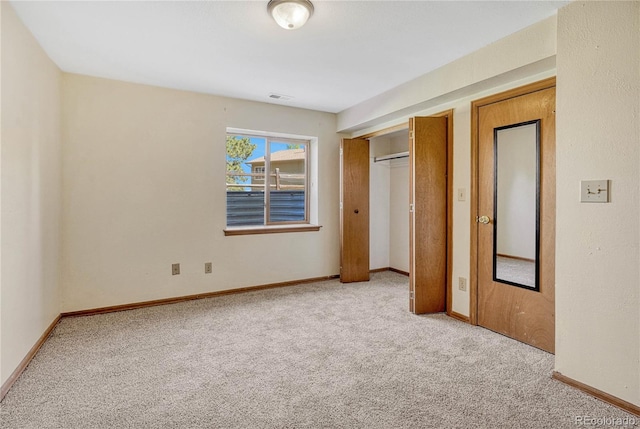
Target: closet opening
396,208
389,202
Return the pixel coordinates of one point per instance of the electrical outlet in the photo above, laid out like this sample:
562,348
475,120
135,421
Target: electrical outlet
208,267
462,284
175,269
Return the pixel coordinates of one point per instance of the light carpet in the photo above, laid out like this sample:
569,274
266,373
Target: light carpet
320,355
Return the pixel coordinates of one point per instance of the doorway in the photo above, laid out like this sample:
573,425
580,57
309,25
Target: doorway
428,210
513,214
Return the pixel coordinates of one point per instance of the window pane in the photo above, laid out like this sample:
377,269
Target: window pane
287,181
257,164
245,180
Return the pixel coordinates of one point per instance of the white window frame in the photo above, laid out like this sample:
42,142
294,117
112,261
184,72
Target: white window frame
310,223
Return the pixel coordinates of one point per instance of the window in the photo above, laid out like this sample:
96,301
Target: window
267,180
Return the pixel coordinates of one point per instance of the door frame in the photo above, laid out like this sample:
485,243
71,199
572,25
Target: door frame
405,126
475,110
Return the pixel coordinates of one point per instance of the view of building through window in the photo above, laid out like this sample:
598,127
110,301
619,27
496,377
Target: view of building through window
266,180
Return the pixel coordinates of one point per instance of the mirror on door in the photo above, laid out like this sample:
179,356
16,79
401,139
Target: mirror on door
517,204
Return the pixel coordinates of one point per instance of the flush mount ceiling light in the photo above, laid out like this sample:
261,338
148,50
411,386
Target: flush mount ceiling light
290,14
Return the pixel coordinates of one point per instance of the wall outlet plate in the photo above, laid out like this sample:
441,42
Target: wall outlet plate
462,283
594,191
175,269
208,267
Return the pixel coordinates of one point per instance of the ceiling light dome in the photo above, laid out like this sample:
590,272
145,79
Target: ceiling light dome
290,14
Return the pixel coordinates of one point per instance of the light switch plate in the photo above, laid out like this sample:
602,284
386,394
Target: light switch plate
594,191
462,194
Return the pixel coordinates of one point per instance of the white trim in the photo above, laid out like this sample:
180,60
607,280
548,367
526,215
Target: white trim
311,165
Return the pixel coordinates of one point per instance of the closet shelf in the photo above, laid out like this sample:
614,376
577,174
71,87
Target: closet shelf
391,156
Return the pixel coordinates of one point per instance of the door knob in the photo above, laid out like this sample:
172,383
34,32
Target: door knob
484,219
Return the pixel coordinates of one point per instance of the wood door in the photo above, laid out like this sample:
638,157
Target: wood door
354,210
427,214
522,313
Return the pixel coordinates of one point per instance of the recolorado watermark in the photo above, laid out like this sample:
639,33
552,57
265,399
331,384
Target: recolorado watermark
591,421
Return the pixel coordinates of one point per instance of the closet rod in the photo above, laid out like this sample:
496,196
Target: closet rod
391,156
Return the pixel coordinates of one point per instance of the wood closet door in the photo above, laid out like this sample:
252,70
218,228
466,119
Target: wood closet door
354,210
427,214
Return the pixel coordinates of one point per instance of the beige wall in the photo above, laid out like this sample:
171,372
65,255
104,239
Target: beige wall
379,190
30,171
144,187
399,205
598,257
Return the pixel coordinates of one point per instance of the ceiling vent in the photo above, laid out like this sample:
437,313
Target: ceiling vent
280,97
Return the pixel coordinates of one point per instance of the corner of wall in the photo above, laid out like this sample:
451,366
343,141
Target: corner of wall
30,203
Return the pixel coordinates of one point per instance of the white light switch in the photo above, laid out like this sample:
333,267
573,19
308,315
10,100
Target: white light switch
462,194
594,191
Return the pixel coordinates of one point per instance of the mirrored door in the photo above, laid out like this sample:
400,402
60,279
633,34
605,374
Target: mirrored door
516,217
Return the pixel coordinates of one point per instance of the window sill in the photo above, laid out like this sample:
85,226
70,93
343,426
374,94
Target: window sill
277,229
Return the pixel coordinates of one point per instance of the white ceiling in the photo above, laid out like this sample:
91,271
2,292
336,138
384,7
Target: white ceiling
348,52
